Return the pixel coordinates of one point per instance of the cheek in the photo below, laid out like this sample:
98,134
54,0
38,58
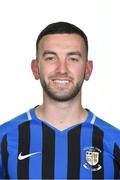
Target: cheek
78,71
44,72
48,69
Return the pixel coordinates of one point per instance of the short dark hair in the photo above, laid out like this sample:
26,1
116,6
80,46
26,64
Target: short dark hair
61,28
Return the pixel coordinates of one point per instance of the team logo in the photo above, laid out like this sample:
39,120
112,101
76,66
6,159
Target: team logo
92,157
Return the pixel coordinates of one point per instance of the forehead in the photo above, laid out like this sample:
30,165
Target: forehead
62,41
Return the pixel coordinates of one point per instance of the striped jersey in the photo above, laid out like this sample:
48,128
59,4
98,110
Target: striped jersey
31,148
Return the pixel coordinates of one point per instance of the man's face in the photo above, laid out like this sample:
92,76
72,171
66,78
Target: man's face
62,65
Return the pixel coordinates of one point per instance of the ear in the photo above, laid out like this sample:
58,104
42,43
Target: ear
89,68
35,69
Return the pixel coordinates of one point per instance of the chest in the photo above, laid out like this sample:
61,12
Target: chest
42,153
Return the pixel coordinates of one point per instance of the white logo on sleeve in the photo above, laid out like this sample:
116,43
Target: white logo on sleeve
22,157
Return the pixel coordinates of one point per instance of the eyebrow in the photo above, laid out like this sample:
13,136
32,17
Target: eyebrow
49,52
74,53
68,54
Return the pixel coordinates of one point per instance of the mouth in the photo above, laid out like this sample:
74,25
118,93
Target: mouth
61,83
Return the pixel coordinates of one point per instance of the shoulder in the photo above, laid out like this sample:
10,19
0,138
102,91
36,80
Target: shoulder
12,124
108,130
105,125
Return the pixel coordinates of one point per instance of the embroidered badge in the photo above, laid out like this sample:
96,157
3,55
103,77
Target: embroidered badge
92,157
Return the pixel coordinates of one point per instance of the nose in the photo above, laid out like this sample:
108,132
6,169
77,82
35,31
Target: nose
62,67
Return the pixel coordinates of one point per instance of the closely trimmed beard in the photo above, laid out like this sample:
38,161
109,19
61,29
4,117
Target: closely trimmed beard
62,98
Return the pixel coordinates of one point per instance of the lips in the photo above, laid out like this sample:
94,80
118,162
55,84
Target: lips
61,81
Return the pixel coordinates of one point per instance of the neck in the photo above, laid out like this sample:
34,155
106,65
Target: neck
62,114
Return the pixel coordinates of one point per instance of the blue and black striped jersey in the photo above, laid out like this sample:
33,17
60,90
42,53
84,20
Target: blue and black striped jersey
31,148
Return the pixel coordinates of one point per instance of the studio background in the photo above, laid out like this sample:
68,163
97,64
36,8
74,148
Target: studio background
20,23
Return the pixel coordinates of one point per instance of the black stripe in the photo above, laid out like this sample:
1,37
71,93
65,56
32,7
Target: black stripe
116,161
97,142
48,152
4,152
73,171
24,148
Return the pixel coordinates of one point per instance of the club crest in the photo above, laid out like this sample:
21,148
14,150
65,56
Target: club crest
92,158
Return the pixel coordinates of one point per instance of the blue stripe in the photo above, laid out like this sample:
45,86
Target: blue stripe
86,142
12,140
108,157
110,137
35,146
108,166
61,153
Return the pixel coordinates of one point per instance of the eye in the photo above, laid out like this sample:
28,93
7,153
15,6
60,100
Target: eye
74,59
50,58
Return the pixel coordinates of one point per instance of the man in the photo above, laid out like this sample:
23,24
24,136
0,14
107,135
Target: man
60,139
